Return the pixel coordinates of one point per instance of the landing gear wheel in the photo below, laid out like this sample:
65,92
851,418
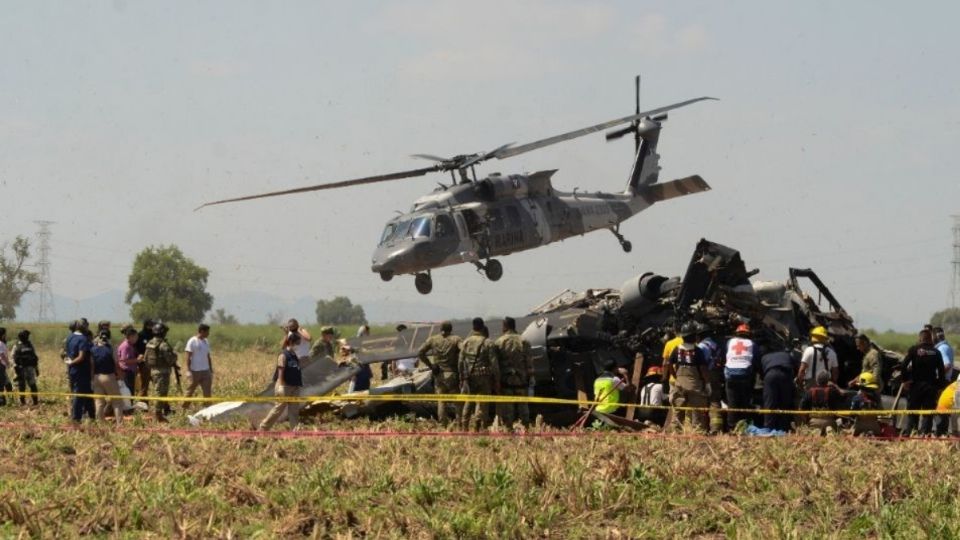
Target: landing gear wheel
386,276
627,246
493,270
424,283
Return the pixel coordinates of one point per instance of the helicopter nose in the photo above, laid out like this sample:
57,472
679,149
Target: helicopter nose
391,260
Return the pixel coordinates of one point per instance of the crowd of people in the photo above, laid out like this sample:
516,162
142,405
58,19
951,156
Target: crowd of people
720,383
707,384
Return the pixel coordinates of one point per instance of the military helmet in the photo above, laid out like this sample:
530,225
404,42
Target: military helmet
689,329
23,335
160,329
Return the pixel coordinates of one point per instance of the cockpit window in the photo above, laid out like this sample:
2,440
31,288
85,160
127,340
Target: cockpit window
393,231
420,228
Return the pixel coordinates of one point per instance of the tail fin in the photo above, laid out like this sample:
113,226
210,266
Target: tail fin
675,188
646,165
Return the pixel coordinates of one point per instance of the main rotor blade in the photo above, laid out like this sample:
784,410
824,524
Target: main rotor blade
332,185
512,151
430,157
483,157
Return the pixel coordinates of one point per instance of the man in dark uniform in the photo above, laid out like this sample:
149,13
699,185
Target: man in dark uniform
479,375
923,377
778,370
443,350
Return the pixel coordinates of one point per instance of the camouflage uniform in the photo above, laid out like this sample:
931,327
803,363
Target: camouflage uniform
479,373
445,352
323,348
26,366
161,359
512,354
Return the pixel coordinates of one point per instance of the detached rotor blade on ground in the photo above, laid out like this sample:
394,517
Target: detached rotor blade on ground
512,151
332,185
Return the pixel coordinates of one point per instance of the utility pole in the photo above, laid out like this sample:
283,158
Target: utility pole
45,309
955,288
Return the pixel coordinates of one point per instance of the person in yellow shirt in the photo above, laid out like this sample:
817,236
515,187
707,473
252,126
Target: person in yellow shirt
946,422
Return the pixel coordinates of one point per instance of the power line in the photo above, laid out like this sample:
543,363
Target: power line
45,309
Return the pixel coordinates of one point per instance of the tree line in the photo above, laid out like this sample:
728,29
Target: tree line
163,284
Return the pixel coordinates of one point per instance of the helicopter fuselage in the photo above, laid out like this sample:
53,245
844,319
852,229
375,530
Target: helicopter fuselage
496,216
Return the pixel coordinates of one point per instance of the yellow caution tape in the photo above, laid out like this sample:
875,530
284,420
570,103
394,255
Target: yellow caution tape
471,398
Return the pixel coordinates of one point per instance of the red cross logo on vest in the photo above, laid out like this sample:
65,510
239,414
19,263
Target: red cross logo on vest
739,347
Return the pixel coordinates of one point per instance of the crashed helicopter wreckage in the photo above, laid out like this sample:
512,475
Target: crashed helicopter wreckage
573,334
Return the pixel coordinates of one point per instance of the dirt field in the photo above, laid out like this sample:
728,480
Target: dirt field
137,483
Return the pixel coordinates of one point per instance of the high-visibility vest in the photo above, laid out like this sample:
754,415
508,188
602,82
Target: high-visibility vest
605,391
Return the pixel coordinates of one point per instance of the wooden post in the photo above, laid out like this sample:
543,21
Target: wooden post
635,378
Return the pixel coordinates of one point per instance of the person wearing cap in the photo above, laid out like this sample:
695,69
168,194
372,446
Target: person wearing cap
303,349
199,362
739,371
778,367
942,345
871,361
479,375
26,363
688,364
922,376
441,352
818,356
326,346
80,371
651,397
289,382
512,354
106,373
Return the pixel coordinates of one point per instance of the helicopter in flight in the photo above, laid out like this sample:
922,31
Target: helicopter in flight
474,220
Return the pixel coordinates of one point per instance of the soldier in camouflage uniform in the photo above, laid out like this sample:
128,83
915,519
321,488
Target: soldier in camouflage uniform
512,355
161,359
479,375
325,346
444,349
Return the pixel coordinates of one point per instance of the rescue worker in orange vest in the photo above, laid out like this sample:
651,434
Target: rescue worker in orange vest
740,373
689,365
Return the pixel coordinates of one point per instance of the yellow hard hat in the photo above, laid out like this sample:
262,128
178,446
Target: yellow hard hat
819,332
867,380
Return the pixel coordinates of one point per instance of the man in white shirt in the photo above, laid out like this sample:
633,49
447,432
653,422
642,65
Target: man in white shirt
302,350
818,356
199,362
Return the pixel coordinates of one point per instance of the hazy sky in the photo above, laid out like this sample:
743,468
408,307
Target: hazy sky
832,145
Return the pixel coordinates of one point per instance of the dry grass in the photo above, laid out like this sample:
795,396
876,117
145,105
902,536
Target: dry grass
62,483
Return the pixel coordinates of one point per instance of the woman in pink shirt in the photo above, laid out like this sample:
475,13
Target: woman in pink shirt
127,357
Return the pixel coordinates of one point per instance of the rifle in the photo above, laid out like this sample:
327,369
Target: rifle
176,375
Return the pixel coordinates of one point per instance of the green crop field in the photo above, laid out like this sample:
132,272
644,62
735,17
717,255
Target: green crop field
137,482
